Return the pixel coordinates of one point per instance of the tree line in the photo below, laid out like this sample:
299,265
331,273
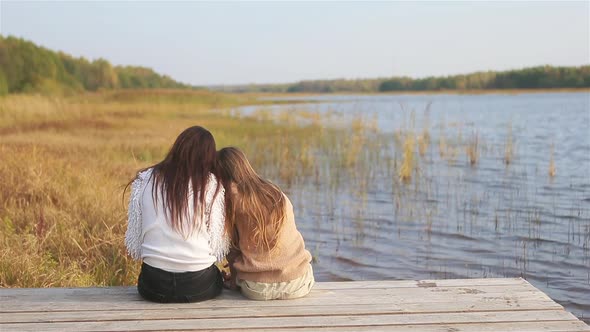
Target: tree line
26,67
540,77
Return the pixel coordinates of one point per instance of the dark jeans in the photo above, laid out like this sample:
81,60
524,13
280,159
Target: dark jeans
162,286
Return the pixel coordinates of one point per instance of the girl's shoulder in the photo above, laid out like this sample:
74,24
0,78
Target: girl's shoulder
288,204
213,187
286,197
212,179
145,174
141,179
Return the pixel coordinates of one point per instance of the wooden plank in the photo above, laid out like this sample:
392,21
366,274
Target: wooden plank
316,298
131,294
422,283
410,305
268,311
293,322
89,291
174,312
12,295
569,326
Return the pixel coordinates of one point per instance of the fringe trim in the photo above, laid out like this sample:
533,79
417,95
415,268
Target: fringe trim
133,235
218,240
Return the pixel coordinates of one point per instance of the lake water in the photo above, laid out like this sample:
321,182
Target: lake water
458,220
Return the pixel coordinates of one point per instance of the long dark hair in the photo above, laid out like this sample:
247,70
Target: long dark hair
184,171
257,201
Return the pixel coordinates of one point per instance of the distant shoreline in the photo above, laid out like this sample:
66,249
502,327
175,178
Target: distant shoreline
489,91
430,92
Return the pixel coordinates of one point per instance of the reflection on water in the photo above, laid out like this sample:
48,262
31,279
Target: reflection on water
505,216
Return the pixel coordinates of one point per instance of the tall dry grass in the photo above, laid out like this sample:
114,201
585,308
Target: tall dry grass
472,149
509,147
65,162
552,170
408,163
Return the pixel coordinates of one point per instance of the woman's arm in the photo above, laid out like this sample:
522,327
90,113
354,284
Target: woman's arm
230,281
216,219
133,235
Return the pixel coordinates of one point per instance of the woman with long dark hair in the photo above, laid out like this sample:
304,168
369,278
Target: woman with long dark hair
176,223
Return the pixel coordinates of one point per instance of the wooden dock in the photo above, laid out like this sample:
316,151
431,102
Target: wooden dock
430,305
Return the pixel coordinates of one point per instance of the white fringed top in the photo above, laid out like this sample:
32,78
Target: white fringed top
150,238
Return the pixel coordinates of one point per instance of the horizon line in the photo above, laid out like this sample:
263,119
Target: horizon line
391,76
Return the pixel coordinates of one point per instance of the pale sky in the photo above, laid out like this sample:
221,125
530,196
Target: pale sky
206,43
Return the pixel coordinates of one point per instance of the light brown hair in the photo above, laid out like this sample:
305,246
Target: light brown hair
255,201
